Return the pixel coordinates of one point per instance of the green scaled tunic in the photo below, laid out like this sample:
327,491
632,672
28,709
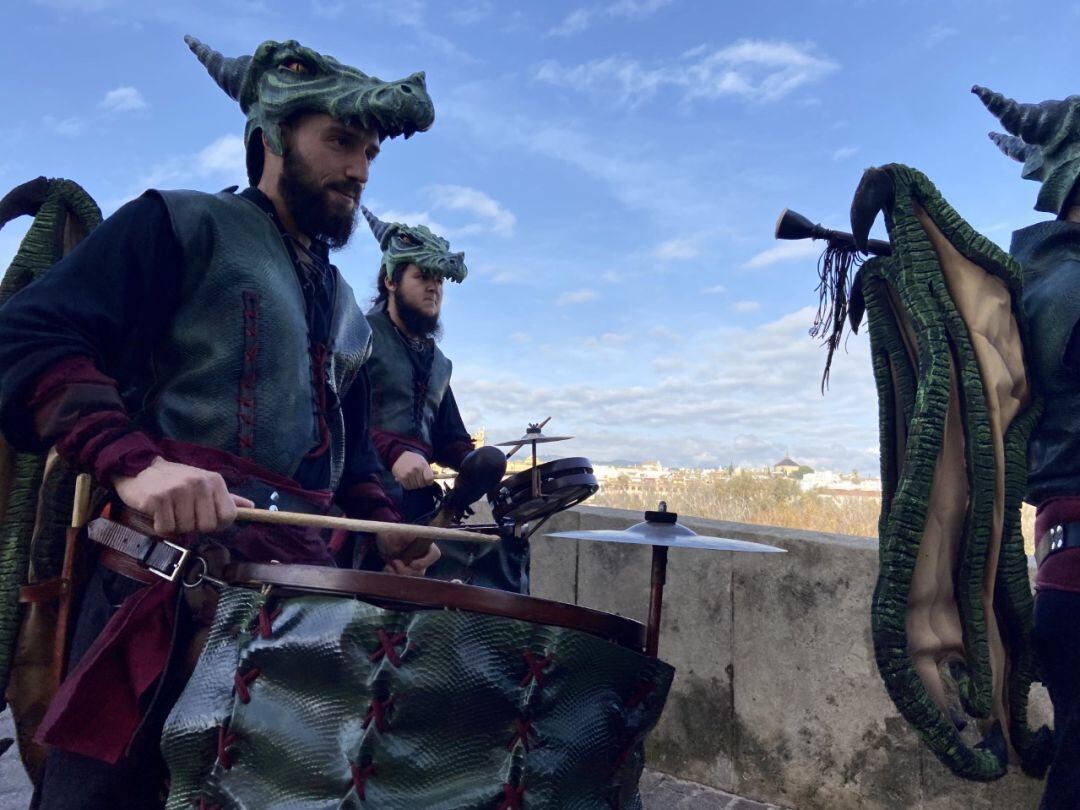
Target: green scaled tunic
952,608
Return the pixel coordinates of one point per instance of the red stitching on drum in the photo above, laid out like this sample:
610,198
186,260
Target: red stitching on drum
360,777
242,682
537,666
264,626
225,739
512,797
387,646
644,689
377,711
523,728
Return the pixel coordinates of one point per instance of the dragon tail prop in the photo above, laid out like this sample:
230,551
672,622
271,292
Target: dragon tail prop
35,491
951,613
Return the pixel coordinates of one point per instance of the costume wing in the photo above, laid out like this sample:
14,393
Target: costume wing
952,608
35,491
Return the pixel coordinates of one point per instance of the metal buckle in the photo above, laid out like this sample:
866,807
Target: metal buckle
178,566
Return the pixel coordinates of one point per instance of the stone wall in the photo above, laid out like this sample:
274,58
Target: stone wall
776,695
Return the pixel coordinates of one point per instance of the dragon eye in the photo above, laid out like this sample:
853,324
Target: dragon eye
296,66
407,240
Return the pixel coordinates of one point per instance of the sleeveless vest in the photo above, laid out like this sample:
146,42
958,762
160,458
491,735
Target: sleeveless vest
1050,255
400,403
234,371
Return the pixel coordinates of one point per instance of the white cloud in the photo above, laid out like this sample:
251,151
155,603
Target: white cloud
756,70
223,156
494,217
66,127
938,34
784,251
718,289
574,23
123,99
844,152
579,20
577,297
746,306
742,395
677,249
470,13
520,337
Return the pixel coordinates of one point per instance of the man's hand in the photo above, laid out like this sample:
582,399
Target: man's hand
180,498
412,471
391,546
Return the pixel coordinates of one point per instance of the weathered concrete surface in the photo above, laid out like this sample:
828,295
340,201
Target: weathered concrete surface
14,786
776,695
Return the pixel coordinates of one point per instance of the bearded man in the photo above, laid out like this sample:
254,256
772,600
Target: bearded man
415,419
198,352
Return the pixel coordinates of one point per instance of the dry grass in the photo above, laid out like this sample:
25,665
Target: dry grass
748,499
767,502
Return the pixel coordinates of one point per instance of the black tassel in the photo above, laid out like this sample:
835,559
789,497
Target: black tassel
834,292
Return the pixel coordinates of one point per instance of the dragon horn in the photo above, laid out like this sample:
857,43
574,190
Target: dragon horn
1012,146
1034,123
227,71
378,227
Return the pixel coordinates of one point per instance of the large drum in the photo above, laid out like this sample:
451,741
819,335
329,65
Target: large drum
440,696
563,483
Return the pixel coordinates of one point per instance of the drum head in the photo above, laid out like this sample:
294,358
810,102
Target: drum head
563,483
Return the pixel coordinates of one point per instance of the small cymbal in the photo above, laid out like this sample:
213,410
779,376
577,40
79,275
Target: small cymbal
662,529
530,438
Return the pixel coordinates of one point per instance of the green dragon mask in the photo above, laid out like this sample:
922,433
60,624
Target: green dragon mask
284,78
402,245
1045,137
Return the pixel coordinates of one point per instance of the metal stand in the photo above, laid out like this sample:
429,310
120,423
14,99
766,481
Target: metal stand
656,599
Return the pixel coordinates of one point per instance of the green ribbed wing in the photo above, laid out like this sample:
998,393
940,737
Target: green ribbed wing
951,612
33,517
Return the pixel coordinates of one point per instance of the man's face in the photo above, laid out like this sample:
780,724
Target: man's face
325,168
418,296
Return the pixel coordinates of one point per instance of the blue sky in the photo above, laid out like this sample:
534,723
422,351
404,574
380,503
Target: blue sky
612,170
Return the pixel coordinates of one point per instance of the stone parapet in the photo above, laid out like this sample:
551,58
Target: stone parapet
776,695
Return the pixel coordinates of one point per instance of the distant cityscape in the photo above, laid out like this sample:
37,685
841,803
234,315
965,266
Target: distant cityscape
630,478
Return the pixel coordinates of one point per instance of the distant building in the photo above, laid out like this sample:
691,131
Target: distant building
786,466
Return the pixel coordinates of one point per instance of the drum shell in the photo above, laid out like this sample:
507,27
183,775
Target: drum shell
457,693
564,483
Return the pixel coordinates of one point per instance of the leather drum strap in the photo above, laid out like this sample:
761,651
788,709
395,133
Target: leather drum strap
432,593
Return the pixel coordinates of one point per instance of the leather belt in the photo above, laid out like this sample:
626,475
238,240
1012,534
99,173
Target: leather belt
1057,538
125,566
152,556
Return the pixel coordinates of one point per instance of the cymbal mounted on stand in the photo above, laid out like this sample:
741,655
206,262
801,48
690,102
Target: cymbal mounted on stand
661,530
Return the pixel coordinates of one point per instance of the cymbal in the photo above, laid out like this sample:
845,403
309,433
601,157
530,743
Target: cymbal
661,529
530,438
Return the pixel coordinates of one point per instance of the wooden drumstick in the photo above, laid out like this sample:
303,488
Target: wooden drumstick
355,525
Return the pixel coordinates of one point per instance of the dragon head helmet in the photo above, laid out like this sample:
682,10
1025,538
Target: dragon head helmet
285,78
403,244
1045,137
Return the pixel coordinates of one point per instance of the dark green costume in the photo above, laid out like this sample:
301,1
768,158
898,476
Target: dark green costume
234,254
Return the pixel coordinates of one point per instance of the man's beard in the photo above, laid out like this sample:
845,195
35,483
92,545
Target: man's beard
309,202
416,321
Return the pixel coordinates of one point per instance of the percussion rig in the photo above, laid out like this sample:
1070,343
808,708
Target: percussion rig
523,501
662,531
